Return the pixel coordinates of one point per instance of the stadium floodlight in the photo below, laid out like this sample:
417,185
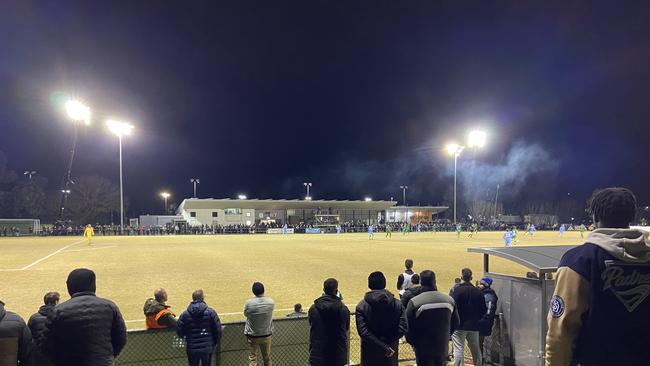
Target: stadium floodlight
453,149
242,197
195,181
29,173
307,198
368,199
165,196
307,185
77,111
119,129
476,138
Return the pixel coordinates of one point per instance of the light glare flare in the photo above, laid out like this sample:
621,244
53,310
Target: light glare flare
476,138
119,128
77,111
452,149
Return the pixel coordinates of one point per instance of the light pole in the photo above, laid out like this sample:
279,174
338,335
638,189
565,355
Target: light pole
476,139
195,181
307,185
120,129
165,196
404,188
29,173
77,112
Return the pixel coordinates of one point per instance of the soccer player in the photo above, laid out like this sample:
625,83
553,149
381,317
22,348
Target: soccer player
473,230
338,229
459,229
285,230
531,230
389,231
371,233
515,233
582,229
89,233
562,229
507,237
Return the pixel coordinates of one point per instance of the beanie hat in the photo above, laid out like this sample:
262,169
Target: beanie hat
487,281
81,280
376,281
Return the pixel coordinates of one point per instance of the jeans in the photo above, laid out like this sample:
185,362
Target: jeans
193,359
264,344
458,339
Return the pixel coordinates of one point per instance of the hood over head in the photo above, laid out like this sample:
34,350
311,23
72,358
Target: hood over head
81,280
628,245
152,307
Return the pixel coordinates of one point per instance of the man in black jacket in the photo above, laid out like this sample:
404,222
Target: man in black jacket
36,324
471,307
85,330
15,339
491,299
329,321
381,322
432,318
201,328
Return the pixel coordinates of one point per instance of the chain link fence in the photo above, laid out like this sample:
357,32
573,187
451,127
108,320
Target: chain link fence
290,346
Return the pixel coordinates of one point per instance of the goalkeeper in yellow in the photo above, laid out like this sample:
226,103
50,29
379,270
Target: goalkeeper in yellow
89,233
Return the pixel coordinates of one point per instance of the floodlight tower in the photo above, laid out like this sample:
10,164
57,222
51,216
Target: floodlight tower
165,196
476,139
404,188
77,112
195,181
120,129
29,173
307,185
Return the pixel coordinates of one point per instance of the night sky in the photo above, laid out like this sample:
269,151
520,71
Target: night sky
358,97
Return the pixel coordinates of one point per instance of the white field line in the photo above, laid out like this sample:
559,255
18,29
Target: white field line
50,255
92,248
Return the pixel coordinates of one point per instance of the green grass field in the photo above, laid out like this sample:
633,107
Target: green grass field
292,267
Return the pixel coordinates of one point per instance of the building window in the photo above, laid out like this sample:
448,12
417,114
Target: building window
215,214
248,214
192,214
232,211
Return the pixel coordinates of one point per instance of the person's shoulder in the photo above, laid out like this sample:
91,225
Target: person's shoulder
579,255
12,317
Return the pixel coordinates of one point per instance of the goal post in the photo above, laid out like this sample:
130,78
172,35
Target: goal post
19,227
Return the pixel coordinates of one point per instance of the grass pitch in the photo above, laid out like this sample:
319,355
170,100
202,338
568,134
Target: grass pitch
292,267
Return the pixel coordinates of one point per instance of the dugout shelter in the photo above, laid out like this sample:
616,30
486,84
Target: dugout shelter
519,334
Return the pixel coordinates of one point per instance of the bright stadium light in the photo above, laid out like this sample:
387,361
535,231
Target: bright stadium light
119,129
242,197
308,198
452,149
476,138
77,111
368,199
165,196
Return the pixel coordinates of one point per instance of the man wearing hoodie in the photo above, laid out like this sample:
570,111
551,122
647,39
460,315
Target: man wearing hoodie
85,330
491,299
36,324
598,314
15,339
381,322
201,328
432,318
329,321
157,313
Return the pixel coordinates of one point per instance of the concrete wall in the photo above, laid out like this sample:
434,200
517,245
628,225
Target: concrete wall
247,217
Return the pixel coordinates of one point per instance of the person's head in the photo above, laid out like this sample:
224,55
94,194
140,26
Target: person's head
258,288
198,295
408,264
428,278
466,275
415,279
297,308
456,280
485,282
613,207
81,280
331,286
51,298
160,295
376,281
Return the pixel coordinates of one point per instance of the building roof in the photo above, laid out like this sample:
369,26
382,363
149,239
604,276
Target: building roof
270,204
541,259
433,209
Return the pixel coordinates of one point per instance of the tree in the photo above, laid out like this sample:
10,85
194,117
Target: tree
28,198
92,200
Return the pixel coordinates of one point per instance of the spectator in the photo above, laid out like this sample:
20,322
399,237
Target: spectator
487,320
297,312
381,322
456,284
432,318
329,321
404,279
201,328
599,309
413,291
36,325
157,313
85,330
15,339
471,307
259,325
